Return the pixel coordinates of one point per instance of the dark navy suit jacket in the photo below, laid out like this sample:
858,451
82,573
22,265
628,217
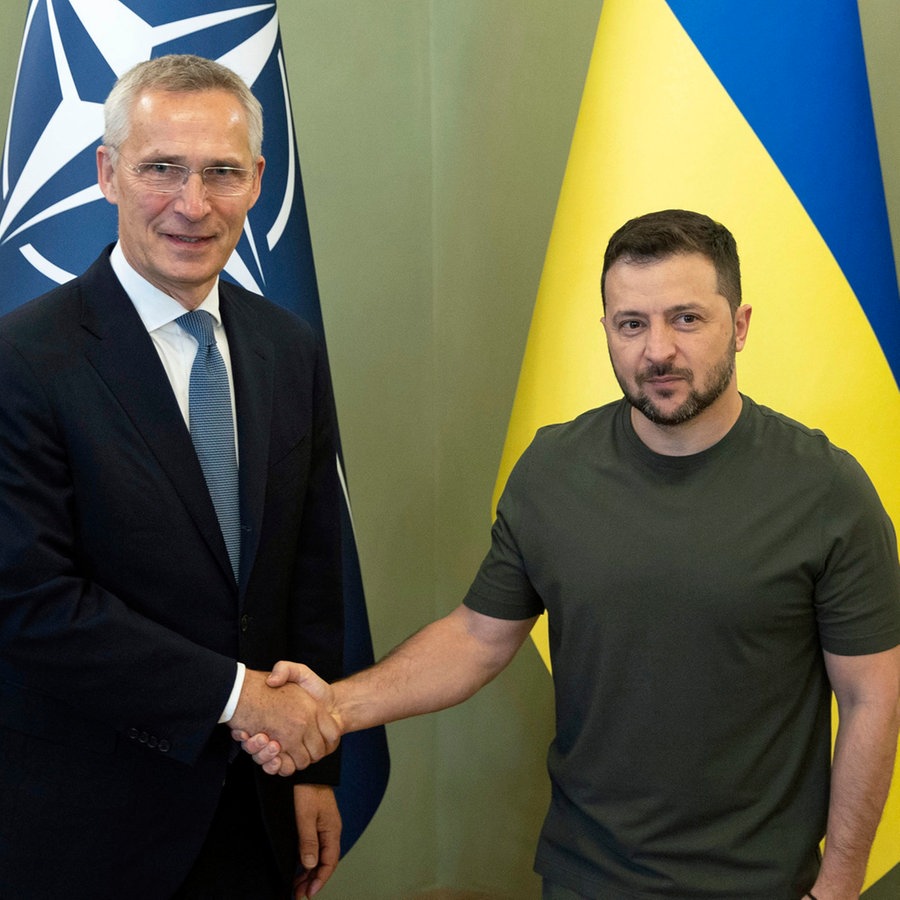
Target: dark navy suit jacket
119,617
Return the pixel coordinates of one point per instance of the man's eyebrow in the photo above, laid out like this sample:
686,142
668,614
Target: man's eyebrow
675,308
175,159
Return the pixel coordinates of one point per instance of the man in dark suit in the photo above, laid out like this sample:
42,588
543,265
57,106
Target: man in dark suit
136,622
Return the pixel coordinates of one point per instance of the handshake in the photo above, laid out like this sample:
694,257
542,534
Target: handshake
286,720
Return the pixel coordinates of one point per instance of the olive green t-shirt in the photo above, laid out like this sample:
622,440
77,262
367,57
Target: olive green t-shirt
689,600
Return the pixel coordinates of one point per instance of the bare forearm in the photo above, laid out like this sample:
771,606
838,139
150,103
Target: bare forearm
441,665
864,759
861,775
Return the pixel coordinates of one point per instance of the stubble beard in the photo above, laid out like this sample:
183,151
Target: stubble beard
696,401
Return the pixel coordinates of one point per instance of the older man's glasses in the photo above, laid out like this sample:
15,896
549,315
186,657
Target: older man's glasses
167,178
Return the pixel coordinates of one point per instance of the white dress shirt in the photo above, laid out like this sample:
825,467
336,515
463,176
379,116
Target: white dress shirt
177,349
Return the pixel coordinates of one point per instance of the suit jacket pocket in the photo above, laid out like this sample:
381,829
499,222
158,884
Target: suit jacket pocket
51,754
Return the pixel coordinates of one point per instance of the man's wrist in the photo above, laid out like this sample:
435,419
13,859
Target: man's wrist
340,707
235,695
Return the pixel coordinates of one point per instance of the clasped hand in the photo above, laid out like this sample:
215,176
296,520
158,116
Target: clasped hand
284,720
282,745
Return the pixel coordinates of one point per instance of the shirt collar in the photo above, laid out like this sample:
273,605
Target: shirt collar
155,307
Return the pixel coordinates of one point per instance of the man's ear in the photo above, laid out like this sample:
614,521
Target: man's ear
106,174
741,326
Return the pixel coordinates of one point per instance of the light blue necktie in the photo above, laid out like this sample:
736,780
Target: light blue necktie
212,429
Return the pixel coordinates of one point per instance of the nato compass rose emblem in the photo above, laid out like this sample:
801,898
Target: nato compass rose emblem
54,221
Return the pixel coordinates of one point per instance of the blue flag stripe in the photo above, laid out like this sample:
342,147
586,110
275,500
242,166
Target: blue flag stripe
816,122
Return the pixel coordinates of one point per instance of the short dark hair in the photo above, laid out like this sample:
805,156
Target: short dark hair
656,235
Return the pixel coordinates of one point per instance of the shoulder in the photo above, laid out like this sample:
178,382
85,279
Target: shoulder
278,324
780,434
43,314
566,445
806,457
584,431
43,337
50,318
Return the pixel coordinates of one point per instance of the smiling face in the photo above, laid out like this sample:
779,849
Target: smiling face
672,341
181,241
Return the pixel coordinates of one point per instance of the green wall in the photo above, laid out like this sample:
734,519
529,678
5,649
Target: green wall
433,137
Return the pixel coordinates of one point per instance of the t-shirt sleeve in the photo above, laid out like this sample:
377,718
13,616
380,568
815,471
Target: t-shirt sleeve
502,588
858,591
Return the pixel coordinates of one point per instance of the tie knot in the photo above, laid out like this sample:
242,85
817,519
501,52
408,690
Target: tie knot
200,324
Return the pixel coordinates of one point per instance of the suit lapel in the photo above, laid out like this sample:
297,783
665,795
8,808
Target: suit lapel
253,377
123,355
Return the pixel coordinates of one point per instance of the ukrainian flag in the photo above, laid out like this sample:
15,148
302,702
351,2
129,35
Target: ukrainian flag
759,115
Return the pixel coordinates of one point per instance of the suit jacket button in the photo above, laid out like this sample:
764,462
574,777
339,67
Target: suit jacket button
163,746
133,734
144,737
152,741
245,623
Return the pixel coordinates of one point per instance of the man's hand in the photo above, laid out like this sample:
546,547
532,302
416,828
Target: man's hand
264,745
300,723
319,830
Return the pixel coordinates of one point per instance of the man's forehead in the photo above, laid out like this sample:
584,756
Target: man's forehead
668,284
186,106
180,122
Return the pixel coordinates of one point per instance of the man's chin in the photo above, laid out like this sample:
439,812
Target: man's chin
667,417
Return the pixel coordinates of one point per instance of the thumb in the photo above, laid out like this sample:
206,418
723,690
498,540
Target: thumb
316,687
283,672
300,674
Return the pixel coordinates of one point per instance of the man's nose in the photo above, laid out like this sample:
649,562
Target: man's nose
659,343
193,199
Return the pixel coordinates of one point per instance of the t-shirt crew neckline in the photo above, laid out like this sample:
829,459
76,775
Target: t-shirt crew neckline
678,463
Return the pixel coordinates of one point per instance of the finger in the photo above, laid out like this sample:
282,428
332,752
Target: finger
300,758
260,743
302,885
319,878
329,855
315,750
308,833
269,751
329,729
267,758
282,765
308,738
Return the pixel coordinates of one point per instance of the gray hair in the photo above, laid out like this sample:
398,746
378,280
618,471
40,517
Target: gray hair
179,73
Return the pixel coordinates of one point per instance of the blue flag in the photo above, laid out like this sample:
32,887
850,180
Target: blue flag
54,220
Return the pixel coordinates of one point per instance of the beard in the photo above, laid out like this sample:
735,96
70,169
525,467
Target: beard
697,400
